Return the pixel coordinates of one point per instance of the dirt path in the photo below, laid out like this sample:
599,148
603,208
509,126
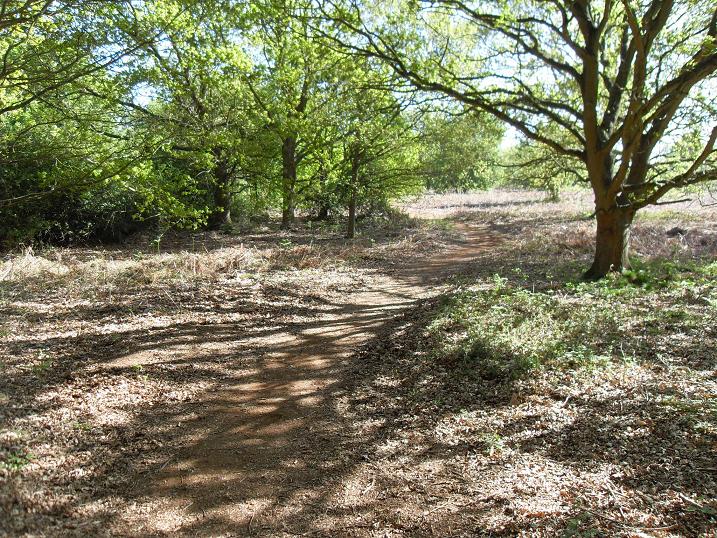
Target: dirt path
274,389
270,454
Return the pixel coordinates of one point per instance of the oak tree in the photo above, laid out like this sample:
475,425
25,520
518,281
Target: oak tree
615,84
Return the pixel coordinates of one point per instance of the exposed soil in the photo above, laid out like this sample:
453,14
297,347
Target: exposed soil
271,451
300,402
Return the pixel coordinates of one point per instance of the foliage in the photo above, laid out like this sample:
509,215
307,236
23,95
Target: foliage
15,461
502,329
460,152
55,182
187,113
620,88
184,113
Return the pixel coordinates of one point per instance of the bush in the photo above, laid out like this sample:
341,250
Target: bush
106,214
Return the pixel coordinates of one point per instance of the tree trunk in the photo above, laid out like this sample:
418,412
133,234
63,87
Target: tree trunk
353,185
222,214
323,213
351,224
324,205
612,242
288,182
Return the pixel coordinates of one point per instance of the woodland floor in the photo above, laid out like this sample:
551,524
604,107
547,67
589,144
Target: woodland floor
284,384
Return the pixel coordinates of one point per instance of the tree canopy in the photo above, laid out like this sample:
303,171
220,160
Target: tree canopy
623,87
189,110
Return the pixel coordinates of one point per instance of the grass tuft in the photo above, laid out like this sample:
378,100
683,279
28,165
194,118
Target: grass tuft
15,460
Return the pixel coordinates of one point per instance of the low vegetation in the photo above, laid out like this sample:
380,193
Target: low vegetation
541,404
503,327
522,398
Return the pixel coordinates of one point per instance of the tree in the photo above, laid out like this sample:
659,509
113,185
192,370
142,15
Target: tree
193,74
50,155
613,84
57,167
374,118
191,106
60,180
293,83
460,150
531,165
46,47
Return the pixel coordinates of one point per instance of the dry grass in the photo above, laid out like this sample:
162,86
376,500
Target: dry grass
89,273
104,355
102,273
683,230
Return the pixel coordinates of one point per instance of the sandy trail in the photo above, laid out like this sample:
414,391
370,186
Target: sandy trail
269,454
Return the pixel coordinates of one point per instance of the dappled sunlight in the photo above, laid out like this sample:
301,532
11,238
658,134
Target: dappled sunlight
306,402
358,269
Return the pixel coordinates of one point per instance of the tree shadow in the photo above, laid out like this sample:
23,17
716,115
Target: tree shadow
329,416
248,343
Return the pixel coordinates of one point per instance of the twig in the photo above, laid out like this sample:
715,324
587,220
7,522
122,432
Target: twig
690,501
164,465
628,526
673,201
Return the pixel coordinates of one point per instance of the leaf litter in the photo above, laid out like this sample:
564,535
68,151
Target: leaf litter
405,442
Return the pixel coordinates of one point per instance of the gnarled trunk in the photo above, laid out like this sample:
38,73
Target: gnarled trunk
288,181
612,242
222,215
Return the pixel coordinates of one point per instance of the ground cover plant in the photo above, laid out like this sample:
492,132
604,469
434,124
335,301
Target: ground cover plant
357,268
491,394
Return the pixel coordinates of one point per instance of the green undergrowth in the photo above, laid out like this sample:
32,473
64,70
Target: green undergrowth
15,461
503,328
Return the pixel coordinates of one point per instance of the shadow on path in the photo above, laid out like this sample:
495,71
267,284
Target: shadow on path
269,452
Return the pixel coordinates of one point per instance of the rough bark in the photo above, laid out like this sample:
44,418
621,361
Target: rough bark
612,242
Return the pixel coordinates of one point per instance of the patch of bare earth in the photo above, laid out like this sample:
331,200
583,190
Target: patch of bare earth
109,358
282,386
